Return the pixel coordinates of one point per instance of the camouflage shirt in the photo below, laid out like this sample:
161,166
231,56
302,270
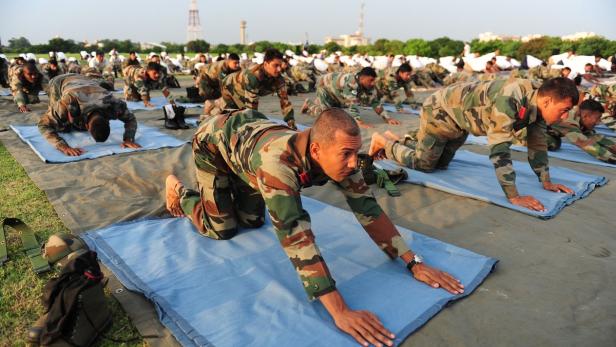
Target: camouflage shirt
274,160
66,92
502,110
135,75
344,89
212,74
388,86
607,96
592,143
242,90
20,87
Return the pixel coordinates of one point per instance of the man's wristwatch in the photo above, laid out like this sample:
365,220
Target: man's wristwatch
417,259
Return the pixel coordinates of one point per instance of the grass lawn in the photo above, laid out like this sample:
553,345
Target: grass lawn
20,288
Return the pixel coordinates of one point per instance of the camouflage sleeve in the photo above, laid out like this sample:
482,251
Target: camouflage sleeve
251,92
500,155
350,100
371,216
130,125
280,190
538,150
17,90
47,126
500,137
377,105
285,104
609,118
142,89
596,145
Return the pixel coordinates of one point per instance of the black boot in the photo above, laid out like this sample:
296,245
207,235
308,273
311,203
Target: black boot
179,117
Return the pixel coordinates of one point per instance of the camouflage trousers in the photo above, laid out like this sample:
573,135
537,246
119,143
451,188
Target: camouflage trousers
322,102
430,148
224,201
31,98
131,93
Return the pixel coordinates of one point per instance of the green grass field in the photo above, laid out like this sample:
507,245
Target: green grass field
20,288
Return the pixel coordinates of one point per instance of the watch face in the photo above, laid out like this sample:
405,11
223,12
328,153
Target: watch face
418,259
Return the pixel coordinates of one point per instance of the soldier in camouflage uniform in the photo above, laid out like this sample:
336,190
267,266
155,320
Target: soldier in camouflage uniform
542,73
578,128
606,95
4,73
103,66
138,82
209,79
26,83
302,72
53,69
242,89
79,103
246,164
348,91
131,60
388,86
500,109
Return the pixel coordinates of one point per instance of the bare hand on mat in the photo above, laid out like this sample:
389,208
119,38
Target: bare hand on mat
555,187
363,326
437,278
528,202
129,144
23,108
73,152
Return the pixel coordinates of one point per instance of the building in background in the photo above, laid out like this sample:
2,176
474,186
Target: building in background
194,31
356,39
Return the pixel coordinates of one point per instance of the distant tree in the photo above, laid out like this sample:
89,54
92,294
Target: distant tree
593,46
417,47
332,47
444,47
58,44
198,46
19,45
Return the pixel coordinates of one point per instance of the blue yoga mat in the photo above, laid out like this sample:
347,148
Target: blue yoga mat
245,292
407,108
147,137
472,175
602,129
567,151
158,103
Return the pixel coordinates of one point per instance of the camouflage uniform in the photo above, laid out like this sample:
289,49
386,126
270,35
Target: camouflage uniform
73,67
242,89
137,84
542,73
303,72
246,163
459,76
128,62
23,91
607,96
71,91
500,109
104,68
599,146
388,86
210,79
343,90
50,73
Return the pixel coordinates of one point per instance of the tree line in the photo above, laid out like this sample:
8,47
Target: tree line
542,47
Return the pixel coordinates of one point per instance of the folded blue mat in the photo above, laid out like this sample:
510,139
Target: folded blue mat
407,108
472,175
158,103
147,137
245,292
567,151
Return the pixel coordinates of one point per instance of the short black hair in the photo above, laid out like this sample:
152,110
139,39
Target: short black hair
331,120
567,68
53,62
560,88
233,56
588,64
592,105
100,53
367,71
99,127
132,52
30,66
406,67
153,66
271,54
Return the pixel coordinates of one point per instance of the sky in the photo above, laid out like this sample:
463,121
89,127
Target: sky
292,20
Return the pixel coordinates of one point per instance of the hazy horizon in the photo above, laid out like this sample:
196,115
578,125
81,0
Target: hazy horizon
157,20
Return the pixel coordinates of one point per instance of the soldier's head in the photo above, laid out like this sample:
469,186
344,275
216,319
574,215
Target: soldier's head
153,70
272,62
460,65
53,64
132,55
555,98
30,72
405,71
598,59
590,113
335,141
233,62
155,58
202,58
20,60
100,56
367,77
98,126
565,72
588,67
